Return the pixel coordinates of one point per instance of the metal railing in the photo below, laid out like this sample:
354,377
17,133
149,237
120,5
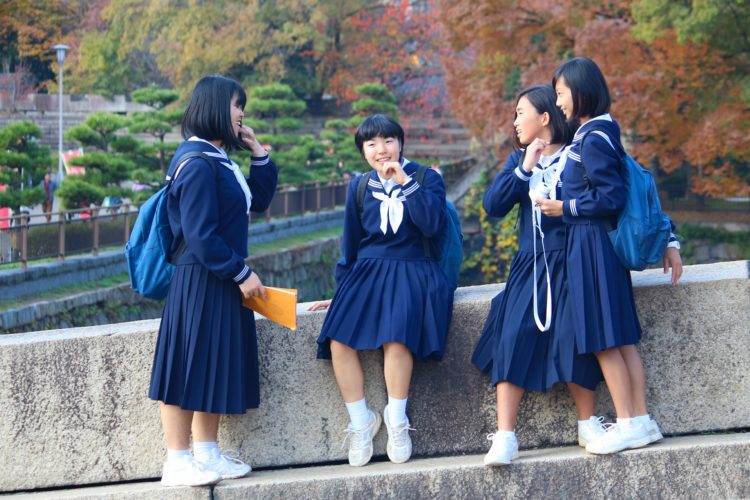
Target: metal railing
27,237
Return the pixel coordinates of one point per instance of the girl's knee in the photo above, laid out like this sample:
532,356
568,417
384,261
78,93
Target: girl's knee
338,349
391,349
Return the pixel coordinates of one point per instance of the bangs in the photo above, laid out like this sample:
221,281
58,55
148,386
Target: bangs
378,126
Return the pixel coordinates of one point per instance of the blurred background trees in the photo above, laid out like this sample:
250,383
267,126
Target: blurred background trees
678,69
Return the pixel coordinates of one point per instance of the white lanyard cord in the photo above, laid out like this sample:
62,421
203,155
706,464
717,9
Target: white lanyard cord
536,218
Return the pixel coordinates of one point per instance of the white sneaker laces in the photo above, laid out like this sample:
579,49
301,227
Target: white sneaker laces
356,437
400,434
598,422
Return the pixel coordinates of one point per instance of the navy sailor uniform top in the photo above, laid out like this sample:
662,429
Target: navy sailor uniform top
511,186
604,195
212,217
423,215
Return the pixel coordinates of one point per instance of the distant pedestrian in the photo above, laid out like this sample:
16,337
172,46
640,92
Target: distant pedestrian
49,195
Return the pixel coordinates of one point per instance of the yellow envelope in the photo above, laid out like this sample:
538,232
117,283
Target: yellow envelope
281,306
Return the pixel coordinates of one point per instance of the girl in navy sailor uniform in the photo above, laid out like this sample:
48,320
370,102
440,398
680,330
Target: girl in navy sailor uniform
206,361
390,294
600,294
518,349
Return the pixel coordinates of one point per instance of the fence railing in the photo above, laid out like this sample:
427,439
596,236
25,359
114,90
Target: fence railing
27,237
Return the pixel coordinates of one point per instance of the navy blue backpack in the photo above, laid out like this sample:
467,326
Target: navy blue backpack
446,247
642,231
150,252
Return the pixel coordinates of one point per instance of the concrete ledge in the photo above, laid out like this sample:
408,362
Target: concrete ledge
132,491
690,467
84,390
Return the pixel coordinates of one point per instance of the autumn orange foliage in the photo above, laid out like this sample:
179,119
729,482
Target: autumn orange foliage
676,102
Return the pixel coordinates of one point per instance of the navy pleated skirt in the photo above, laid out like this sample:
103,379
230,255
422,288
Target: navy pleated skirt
206,353
600,291
386,300
511,347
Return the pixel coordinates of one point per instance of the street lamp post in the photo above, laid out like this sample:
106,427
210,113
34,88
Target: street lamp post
60,60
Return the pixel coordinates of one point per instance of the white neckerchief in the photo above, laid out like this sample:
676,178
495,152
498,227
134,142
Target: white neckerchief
564,156
391,206
231,165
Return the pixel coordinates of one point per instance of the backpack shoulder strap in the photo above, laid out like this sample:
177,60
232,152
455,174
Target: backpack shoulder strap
420,174
362,181
185,158
593,130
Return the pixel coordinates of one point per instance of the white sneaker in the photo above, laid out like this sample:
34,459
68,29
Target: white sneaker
504,448
399,442
226,466
589,430
187,472
618,437
360,441
654,434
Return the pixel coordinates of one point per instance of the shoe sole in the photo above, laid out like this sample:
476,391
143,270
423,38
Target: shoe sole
374,432
653,438
390,457
237,476
608,451
207,483
497,463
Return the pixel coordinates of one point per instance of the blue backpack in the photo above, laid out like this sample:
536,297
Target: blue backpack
642,231
149,251
447,247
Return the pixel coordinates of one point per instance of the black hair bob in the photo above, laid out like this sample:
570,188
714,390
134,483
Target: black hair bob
208,111
587,85
378,126
543,98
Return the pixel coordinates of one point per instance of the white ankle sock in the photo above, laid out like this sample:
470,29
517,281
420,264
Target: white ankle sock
397,411
178,455
359,415
626,421
203,450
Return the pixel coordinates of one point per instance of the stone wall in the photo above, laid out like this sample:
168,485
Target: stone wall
18,283
80,394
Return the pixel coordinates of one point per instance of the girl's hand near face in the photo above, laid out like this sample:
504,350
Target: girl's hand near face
248,137
394,170
320,305
533,153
